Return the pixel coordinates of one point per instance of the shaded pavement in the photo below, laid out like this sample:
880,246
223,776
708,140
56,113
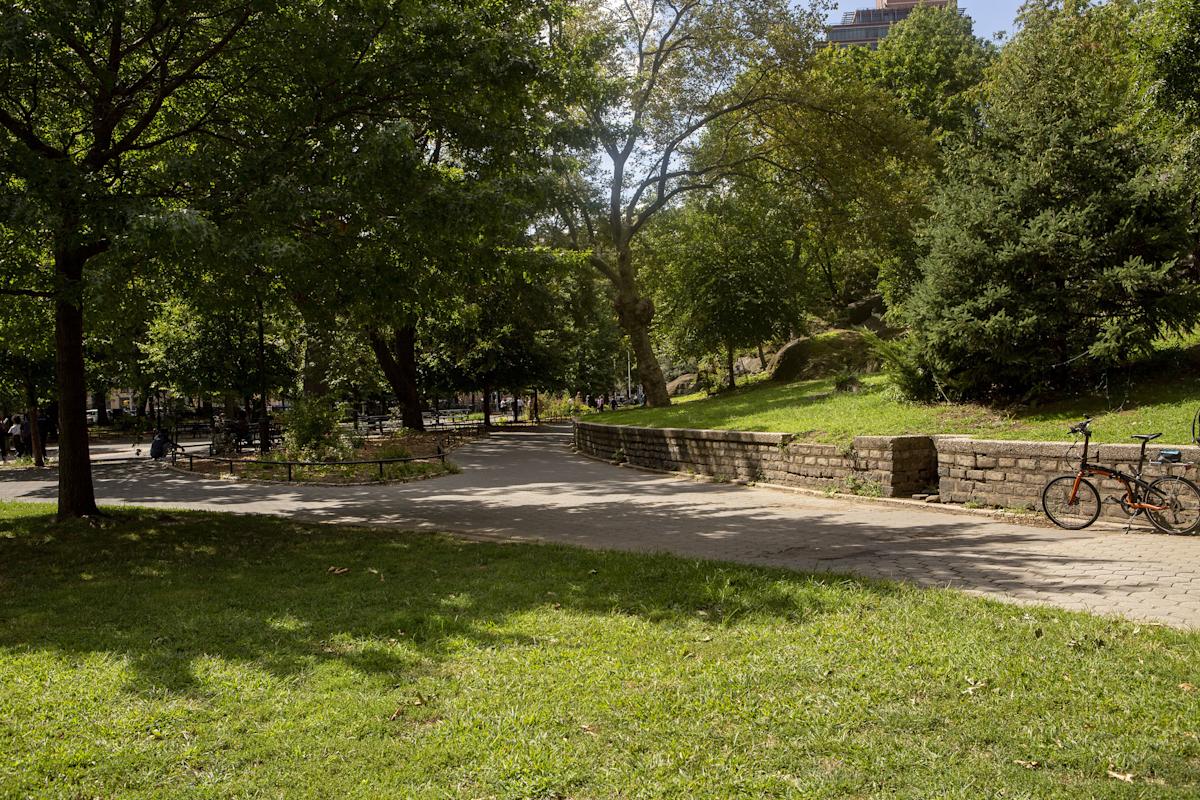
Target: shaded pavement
528,485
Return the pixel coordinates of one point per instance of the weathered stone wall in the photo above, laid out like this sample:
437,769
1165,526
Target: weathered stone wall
1012,474
892,466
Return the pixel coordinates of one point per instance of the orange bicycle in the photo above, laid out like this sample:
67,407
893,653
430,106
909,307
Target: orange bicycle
1172,503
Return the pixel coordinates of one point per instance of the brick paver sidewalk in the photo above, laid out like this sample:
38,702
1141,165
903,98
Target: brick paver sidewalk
528,485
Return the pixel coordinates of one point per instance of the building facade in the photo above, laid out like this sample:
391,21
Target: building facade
865,27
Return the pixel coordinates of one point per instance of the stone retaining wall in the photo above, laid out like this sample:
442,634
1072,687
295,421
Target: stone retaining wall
890,466
1010,474
1001,474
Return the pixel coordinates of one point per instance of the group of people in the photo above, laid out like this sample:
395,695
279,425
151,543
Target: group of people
18,430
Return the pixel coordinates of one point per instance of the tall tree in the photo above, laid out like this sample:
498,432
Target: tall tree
673,70
94,98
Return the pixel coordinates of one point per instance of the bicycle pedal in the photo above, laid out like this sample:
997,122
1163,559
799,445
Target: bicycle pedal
1112,500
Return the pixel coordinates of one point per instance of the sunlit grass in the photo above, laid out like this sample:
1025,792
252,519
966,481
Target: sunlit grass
173,655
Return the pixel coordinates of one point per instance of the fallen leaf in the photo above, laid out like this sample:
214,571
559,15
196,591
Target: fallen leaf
1028,764
374,571
338,570
588,729
1121,776
1187,687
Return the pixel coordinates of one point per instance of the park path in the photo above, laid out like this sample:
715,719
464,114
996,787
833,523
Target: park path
528,485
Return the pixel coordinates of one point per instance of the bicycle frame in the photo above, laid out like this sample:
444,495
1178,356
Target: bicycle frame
1133,498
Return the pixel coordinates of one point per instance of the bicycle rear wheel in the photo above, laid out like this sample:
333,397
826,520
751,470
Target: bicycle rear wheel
1073,516
1182,499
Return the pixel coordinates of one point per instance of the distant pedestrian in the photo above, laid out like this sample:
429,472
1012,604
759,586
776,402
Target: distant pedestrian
14,431
4,426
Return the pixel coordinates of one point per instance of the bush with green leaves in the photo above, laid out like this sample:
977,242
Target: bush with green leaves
312,432
1058,244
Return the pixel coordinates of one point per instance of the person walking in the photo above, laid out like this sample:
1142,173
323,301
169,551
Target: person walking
4,426
14,431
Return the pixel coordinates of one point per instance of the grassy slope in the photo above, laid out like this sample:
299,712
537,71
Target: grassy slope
812,409
189,655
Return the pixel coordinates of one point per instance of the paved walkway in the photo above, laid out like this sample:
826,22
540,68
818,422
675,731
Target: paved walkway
528,485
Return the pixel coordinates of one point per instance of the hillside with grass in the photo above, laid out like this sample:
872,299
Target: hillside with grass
820,411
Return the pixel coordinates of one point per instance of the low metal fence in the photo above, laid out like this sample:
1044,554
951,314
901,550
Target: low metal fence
290,466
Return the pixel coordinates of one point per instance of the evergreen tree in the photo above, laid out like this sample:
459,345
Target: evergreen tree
1054,246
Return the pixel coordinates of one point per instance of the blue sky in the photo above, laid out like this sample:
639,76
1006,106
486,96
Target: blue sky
989,15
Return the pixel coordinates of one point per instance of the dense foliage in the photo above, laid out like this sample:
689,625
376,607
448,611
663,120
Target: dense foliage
1054,249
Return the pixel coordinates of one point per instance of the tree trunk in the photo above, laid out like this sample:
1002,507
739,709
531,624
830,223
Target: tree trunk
516,407
398,360
635,314
487,406
537,412
264,424
762,357
76,495
729,365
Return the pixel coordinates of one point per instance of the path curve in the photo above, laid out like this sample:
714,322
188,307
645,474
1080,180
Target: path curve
528,485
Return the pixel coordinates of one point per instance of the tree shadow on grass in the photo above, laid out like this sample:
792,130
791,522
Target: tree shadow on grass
168,591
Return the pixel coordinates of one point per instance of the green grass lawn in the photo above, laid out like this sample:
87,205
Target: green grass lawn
187,655
815,411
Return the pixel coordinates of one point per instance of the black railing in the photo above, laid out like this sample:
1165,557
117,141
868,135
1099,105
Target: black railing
233,463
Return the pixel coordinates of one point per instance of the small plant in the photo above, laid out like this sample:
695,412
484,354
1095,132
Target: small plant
862,487
972,504
619,455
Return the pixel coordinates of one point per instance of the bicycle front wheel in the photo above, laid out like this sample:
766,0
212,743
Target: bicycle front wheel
1182,501
1068,508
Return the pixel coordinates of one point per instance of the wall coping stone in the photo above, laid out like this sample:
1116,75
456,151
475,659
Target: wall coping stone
699,434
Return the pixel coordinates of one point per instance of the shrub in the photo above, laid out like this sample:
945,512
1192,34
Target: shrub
312,433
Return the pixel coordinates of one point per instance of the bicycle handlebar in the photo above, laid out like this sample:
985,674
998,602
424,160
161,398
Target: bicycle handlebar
1082,427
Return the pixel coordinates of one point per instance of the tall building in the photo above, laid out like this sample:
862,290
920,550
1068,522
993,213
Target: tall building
867,26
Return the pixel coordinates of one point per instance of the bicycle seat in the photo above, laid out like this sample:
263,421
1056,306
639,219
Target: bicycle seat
1146,437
